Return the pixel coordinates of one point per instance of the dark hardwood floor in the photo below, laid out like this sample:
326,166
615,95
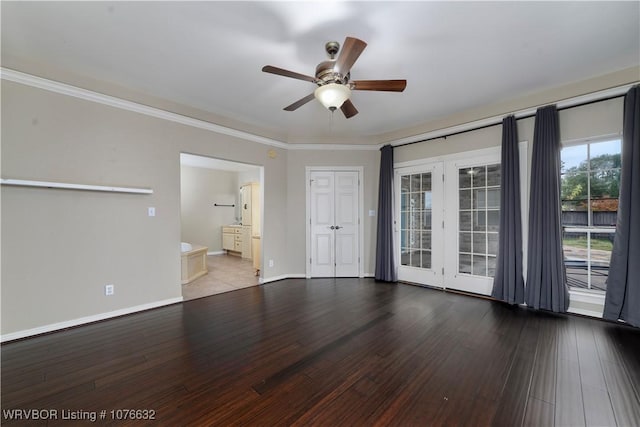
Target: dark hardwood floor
331,352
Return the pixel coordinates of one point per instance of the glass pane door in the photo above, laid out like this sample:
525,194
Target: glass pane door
479,212
415,220
472,222
420,209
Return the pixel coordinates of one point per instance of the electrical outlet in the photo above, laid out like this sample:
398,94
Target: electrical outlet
151,211
270,263
108,290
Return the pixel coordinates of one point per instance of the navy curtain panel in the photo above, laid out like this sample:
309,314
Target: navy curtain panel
546,277
385,260
508,283
623,285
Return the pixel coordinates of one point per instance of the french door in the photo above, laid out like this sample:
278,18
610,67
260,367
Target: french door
334,223
473,220
447,220
419,223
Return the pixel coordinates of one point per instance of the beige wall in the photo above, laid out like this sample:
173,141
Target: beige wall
500,107
592,120
247,177
60,247
201,221
298,160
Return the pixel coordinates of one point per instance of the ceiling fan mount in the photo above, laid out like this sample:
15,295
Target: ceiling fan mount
332,48
333,78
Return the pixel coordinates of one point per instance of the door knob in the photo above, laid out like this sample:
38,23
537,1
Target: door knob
332,227
338,227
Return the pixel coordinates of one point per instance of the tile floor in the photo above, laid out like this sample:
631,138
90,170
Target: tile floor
226,273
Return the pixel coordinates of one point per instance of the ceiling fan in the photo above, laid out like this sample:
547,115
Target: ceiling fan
332,77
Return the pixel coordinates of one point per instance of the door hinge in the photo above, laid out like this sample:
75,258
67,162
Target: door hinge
442,224
443,271
310,261
442,177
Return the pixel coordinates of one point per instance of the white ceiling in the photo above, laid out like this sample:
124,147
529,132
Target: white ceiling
208,55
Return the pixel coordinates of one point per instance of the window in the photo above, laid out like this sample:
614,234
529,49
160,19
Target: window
590,180
479,203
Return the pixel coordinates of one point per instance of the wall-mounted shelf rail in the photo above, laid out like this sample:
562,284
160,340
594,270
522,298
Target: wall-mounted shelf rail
67,186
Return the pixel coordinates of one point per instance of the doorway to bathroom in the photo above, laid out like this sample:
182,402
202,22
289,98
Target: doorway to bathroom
220,204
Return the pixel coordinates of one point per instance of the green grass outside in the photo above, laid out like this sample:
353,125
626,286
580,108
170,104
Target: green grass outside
581,242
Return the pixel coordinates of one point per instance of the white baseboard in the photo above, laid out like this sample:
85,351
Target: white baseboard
216,253
88,319
282,277
300,276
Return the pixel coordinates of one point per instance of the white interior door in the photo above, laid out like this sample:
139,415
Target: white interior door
419,223
334,223
322,224
346,219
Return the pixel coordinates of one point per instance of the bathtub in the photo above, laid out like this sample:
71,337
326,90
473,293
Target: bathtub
193,262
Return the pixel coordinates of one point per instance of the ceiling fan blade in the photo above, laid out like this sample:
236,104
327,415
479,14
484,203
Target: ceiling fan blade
351,50
385,85
348,109
282,72
299,103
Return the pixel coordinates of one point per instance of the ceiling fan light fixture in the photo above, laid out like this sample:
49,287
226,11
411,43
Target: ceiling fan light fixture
332,95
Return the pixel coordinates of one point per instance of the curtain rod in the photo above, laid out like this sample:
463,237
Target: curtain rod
499,121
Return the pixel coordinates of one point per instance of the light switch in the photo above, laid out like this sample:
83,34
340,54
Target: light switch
152,211
372,212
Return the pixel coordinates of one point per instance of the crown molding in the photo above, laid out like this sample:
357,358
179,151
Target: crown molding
112,101
123,104
337,147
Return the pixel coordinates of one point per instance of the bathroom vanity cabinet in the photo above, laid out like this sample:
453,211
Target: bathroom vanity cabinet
232,239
